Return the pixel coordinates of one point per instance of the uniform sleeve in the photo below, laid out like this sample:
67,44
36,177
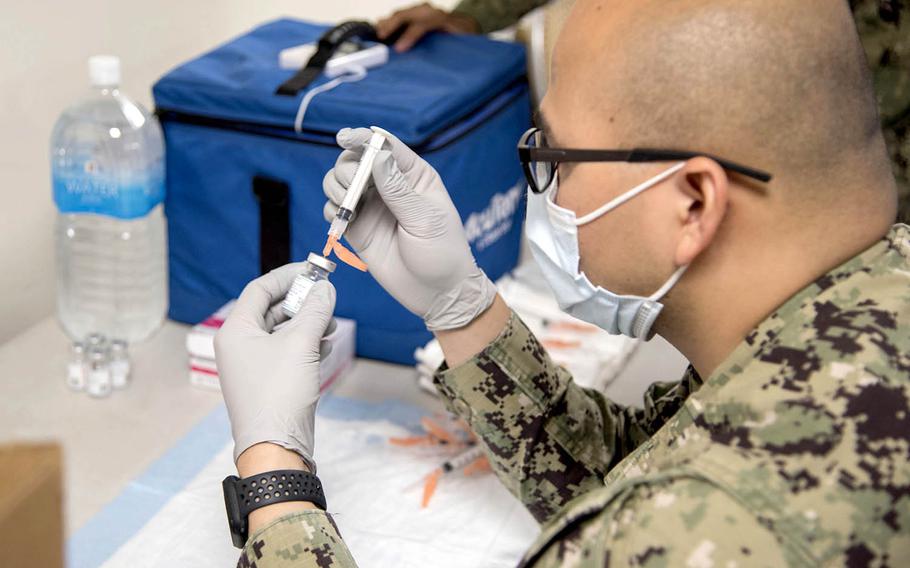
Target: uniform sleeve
547,439
685,522
494,15
307,539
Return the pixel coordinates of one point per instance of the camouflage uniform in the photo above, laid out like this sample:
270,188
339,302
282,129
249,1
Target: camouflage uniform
884,28
795,451
492,15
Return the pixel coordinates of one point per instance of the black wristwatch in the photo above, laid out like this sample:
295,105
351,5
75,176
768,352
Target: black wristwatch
242,496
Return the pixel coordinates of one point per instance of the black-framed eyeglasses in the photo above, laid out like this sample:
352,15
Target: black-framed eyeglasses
540,161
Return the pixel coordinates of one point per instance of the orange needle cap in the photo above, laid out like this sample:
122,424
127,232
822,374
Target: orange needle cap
430,487
329,244
348,257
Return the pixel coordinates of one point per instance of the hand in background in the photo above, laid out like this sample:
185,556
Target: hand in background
420,20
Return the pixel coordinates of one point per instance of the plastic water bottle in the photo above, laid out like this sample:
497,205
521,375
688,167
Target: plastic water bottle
107,164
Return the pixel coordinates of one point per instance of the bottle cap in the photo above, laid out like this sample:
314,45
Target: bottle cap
104,70
321,261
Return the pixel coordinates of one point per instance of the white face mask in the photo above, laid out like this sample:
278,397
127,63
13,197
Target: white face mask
553,235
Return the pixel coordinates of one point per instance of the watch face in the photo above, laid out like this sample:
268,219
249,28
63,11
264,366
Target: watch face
237,522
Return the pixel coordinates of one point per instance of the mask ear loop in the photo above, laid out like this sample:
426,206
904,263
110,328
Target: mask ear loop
632,193
643,316
674,278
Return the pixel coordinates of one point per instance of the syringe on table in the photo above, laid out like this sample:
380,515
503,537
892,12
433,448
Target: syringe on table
349,204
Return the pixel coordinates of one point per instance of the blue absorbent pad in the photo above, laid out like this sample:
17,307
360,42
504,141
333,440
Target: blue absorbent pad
460,101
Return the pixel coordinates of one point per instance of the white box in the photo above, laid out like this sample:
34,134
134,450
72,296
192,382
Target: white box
203,371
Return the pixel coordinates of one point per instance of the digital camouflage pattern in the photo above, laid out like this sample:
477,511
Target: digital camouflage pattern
795,451
307,538
493,15
549,440
884,29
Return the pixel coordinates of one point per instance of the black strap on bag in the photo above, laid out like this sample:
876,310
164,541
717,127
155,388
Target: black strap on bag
328,44
274,222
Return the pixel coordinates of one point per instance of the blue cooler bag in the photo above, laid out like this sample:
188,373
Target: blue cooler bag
244,187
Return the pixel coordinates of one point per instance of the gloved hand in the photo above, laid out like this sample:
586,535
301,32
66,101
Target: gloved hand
270,379
409,233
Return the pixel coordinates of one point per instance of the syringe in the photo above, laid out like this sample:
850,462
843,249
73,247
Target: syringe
463,460
354,192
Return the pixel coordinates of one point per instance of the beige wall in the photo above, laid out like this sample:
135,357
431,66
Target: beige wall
44,47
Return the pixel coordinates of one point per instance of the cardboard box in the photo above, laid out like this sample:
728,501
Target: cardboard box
31,506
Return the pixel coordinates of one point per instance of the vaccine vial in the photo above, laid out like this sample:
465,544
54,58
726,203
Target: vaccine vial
95,341
120,364
316,268
98,382
76,368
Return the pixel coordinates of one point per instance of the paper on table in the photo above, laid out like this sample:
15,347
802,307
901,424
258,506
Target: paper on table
472,521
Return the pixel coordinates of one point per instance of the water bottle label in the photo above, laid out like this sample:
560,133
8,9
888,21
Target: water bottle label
78,190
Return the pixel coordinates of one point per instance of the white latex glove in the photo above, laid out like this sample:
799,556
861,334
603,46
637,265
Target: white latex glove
270,378
409,233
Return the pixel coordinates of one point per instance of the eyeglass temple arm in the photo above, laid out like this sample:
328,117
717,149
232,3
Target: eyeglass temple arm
654,155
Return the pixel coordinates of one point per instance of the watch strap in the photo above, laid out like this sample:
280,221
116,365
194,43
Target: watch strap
325,48
243,496
279,486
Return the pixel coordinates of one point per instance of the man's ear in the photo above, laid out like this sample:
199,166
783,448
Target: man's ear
702,186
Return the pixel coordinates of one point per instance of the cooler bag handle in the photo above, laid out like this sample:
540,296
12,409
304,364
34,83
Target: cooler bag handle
274,222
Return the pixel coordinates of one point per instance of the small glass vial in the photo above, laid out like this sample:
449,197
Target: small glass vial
95,341
317,268
98,383
76,368
120,364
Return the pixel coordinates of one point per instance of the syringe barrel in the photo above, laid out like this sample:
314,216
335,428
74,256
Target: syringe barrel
344,214
362,175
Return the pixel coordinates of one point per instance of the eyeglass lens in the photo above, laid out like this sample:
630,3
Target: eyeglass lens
541,171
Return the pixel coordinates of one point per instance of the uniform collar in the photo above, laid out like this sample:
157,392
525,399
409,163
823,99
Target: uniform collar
894,248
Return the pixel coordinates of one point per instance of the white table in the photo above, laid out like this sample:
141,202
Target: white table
110,441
